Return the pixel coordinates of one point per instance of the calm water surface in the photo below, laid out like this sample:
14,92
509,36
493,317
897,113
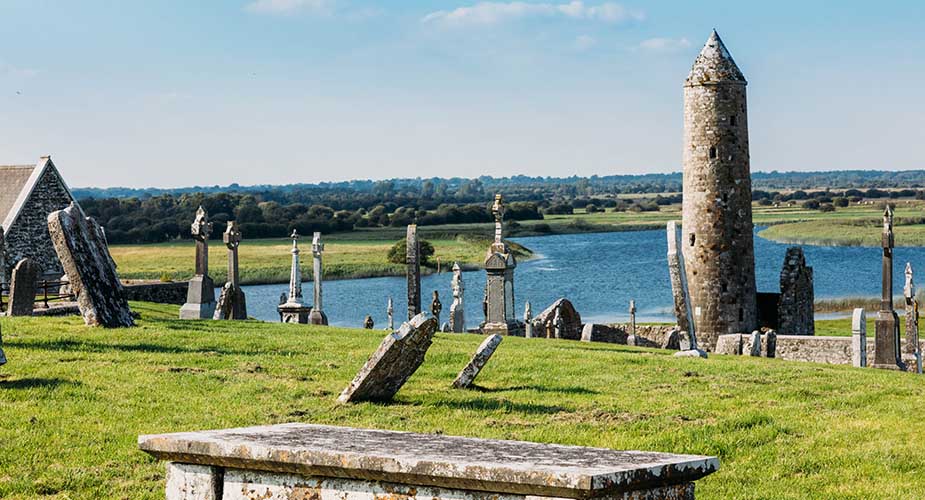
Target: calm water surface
599,273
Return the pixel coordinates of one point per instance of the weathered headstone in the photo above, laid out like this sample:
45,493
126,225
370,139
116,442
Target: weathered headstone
22,288
397,358
231,303
633,317
86,260
770,347
795,306
467,376
756,344
200,297
730,344
368,322
499,285
911,351
390,311
413,260
678,277
681,293
436,307
318,317
859,338
293,310
887,352
457,313
528,320
558,323
3,269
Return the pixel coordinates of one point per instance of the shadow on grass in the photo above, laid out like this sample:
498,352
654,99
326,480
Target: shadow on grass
537,388
502,404
85,346
31,383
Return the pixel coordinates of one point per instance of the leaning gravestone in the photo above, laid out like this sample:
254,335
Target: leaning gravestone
88,265
467,376
397,358
22,288
859,338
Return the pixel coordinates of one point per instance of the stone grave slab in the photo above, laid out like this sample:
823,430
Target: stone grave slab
467,376
314,461
89,267
22,288
397,358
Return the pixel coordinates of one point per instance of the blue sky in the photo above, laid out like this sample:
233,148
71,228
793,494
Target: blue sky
173,93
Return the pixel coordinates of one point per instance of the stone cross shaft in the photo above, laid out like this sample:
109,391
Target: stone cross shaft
390,312
413,260
886,301
232,239
679,281
201,228
295,276
497,209
317,250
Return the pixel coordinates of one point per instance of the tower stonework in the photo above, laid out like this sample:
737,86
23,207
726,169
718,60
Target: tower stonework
718,252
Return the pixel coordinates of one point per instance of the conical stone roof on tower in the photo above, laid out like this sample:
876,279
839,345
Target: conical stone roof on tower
714,65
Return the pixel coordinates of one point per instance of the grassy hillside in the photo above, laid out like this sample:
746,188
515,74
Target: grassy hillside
75,399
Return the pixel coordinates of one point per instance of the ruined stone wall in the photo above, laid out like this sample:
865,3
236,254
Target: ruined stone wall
28,237
814,349
795,311
646,335
717,214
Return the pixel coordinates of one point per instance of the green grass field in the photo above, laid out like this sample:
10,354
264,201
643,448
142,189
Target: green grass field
75,399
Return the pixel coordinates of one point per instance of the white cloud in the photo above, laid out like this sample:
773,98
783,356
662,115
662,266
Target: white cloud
664,44
488,13
583,42
288,6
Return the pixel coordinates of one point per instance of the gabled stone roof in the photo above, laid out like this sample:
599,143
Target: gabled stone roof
714,65
17,183
13,179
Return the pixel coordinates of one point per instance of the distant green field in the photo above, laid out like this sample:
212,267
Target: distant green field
76,398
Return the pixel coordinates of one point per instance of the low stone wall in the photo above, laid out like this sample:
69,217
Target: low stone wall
156,291
658,336
810,348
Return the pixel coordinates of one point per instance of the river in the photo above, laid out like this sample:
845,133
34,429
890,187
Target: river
599,272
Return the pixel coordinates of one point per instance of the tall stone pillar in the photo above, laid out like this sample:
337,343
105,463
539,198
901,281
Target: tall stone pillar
293,310
413,259
886,343
717,211
499,289
390,312
911,351
457,313
318,317
200,297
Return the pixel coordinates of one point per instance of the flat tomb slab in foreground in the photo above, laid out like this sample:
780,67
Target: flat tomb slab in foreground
294,460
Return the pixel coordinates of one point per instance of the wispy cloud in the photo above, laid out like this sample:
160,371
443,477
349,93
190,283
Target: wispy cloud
489,13
9,70
289,6
660,44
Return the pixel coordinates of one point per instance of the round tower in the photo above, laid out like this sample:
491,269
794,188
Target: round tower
718,249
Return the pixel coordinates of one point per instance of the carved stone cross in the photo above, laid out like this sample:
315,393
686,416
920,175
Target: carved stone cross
201,228
232,239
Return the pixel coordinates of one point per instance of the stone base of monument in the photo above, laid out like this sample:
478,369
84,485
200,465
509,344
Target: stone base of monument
297,461
318,318
294,313
513,328
200,299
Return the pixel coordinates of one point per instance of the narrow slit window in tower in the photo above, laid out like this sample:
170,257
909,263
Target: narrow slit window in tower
733,120
712,152
725,287
693,238
741,314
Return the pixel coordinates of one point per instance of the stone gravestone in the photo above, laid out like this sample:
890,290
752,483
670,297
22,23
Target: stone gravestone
2,256
682,297
413,259
756,344
318,317
231,302
770,348
390,311
467,376
293,310
397,358
368,322
200,298
887,353
859,338
436,307
528,320
499,284
457,314
22,288
632,312
88,265
912,354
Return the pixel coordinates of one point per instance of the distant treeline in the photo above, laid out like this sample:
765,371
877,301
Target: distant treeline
521,187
